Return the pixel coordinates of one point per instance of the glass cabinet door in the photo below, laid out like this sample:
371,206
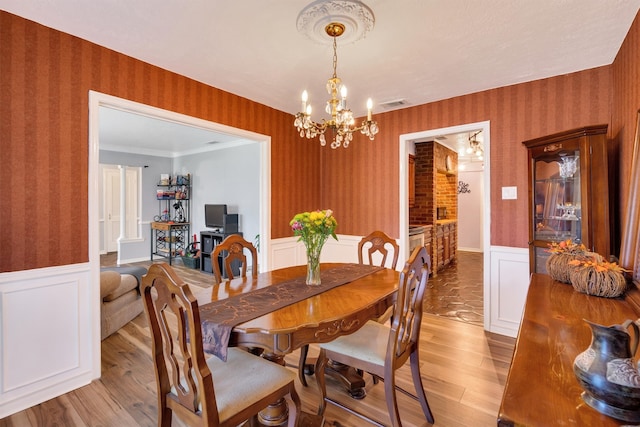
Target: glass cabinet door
557,203
557,198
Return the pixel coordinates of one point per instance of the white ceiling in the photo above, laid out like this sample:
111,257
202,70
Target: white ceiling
419,51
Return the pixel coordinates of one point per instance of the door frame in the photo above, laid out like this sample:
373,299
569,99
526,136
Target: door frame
97,100
411,138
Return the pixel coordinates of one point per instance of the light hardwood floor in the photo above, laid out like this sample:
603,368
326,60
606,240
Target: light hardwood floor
463,367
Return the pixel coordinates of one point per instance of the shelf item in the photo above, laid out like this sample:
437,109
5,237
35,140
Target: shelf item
569,192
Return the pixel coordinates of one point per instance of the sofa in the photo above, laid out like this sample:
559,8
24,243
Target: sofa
120,300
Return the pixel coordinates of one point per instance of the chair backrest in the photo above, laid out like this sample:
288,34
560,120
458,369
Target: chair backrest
378,241
185,383
407,318
234,246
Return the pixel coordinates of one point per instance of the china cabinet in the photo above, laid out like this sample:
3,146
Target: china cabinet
569,192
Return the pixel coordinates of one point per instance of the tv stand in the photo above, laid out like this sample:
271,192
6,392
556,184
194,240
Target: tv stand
209,240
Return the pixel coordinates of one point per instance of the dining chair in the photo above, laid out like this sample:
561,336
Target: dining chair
376,242
205,391
382,349
233,247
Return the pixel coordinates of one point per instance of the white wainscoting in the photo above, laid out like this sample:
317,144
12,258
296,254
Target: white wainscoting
509,282
46,331
288,251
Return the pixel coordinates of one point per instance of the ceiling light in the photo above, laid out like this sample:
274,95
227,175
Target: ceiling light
341,121
475,146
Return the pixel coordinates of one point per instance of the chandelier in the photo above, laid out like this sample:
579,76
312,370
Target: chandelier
341,122
475,146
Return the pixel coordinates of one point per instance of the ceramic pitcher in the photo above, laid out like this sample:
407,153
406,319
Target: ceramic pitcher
607,371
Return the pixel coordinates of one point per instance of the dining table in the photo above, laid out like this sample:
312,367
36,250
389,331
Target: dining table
277,312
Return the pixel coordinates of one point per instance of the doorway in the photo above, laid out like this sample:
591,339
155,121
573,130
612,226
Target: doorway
115,181
406,142
98,100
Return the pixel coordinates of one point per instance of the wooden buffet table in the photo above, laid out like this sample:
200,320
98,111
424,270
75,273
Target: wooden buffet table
320,318
541,388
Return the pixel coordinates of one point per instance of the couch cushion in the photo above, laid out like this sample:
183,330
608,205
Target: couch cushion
127,283
109,282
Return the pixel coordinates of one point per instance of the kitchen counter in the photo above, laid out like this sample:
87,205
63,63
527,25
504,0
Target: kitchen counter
445,221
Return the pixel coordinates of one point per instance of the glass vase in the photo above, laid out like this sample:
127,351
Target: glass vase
313,269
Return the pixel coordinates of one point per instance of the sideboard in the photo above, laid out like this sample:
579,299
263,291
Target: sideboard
541,388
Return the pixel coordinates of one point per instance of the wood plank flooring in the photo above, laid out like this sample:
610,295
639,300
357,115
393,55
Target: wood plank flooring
463,367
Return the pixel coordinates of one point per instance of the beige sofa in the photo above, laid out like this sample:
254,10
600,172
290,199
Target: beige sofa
119,298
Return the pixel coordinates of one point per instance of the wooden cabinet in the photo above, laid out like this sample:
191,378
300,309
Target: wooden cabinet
428,244
412,180
446,243
541,388
569,192
211,239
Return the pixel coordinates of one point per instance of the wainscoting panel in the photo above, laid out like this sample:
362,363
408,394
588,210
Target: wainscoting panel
45,335
288,251
507,292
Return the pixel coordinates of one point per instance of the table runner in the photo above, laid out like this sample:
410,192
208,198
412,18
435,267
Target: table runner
218,318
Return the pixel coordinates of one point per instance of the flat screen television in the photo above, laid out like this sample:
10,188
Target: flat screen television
214,215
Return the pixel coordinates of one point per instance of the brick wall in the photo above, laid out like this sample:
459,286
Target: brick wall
435,186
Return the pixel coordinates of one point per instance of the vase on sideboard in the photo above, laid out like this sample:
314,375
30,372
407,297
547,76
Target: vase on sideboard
607,371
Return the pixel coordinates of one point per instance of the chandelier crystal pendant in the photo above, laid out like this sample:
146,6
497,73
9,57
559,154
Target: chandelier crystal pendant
341,122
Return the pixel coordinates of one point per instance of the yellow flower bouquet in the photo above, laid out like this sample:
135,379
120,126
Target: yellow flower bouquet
313,229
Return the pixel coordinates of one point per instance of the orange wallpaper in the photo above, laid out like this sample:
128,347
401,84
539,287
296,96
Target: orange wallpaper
517,113
626,103
45,77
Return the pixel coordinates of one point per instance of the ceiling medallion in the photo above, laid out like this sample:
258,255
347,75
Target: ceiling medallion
354,15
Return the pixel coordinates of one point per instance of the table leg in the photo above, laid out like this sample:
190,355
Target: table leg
276,414
348,376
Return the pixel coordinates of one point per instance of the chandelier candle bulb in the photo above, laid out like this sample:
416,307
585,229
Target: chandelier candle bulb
305,97
369,107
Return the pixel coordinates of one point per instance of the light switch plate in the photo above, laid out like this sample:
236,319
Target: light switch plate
509,193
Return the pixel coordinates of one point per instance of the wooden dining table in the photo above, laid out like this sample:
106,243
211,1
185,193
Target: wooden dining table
320,318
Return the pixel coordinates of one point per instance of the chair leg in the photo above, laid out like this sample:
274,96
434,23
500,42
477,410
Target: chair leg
294,406
417,383
390,397
304,350
321,363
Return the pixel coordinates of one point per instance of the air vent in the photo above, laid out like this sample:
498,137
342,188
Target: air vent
393,104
